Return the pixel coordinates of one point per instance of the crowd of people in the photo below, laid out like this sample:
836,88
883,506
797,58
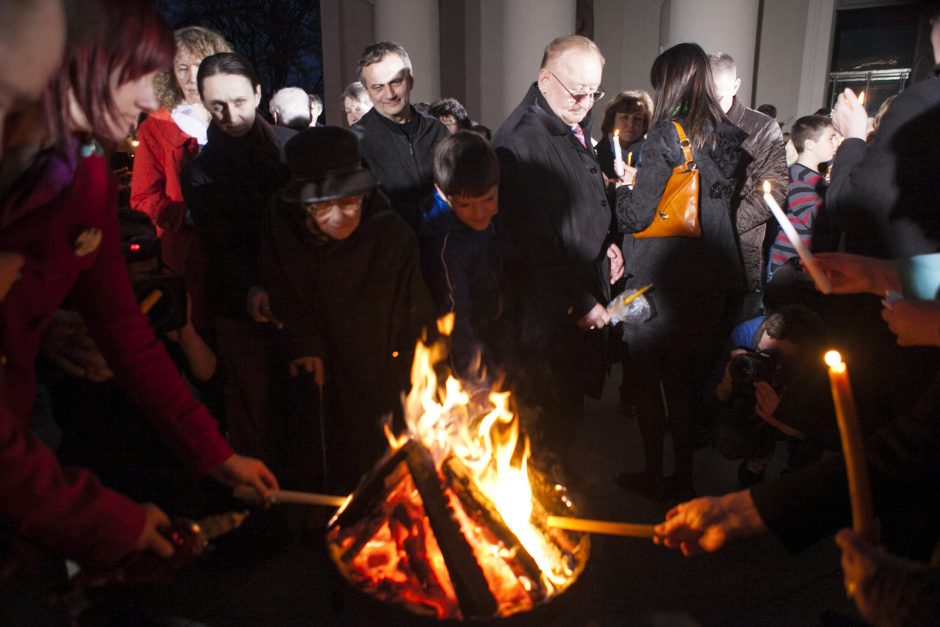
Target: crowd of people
264,289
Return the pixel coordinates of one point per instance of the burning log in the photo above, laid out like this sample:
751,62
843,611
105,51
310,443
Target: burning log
472,592
476,505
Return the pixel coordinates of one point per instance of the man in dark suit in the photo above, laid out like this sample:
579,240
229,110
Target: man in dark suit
559,263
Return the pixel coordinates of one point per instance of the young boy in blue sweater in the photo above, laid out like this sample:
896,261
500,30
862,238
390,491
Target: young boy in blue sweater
459,255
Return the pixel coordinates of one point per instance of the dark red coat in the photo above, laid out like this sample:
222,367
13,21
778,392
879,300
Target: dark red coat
155,189
67,509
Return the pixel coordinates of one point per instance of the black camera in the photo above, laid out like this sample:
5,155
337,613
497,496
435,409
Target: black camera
163,300
755,365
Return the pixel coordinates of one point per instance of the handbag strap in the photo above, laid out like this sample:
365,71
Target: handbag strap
686,146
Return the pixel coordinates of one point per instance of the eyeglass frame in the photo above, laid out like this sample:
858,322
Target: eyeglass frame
595,95
350,207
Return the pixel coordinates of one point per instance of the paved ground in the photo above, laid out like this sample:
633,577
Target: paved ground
272,573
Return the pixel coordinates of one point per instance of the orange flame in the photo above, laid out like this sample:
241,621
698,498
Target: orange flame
486,438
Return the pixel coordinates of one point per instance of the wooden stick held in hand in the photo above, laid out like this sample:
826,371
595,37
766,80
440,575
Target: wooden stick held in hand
600,526
289,496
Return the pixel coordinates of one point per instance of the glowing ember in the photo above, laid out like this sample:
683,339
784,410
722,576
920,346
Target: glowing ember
391,545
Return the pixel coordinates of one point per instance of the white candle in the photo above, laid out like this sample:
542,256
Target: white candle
618,155
809,262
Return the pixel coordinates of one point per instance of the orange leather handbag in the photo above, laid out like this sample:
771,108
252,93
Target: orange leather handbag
677,213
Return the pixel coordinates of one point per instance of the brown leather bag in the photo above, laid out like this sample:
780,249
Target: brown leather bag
677,213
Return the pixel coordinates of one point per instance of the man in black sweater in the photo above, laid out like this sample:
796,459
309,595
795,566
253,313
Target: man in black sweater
397,141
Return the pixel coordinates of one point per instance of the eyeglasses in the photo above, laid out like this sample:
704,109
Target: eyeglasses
596,95
349,205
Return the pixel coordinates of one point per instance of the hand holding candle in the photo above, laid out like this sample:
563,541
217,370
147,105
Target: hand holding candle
819,277
849,117
618,155
863,521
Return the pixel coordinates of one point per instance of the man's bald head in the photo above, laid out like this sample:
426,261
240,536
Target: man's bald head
570,77
560,45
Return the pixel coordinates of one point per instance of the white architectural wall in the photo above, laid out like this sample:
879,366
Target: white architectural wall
717,26
627,32
415,24
503,42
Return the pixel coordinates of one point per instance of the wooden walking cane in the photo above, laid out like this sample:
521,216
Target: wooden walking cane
321,410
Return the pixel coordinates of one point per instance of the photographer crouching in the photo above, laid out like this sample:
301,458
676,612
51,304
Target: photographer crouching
120,445
772,387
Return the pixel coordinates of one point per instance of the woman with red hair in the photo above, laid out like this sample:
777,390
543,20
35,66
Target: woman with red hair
59,214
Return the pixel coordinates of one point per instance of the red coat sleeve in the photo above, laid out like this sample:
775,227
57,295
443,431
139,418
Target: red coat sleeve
149,191
66,510
142,367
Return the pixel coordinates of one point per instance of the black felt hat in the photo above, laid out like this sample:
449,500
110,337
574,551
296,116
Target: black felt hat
325,164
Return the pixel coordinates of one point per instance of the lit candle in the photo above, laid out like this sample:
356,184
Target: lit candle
861,98
618,155
809,262
852,448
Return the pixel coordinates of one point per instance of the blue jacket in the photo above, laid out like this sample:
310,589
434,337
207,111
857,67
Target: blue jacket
461,267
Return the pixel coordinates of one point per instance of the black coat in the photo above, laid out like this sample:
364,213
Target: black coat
359,304
554,220
553,212
884,194
227,188
692,278
403,164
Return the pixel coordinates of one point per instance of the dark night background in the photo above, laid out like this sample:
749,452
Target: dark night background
281,38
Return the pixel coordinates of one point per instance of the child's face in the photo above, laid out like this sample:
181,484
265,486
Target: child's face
476,211
826,144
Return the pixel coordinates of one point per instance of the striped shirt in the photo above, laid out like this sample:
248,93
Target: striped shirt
805,195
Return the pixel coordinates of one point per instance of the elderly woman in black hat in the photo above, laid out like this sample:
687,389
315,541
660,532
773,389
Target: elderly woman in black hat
342,271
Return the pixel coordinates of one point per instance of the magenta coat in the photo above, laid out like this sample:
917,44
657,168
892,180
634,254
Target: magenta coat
66,509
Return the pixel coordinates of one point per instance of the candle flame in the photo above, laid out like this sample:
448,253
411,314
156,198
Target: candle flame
766,187
861,98
834,360
617,133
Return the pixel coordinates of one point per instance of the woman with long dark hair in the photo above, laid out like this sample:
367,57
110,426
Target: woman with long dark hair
60,215
692,278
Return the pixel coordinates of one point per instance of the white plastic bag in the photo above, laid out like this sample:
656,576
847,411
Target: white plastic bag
630,306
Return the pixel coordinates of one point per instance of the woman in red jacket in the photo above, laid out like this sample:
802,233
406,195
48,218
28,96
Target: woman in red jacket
59,215
169,138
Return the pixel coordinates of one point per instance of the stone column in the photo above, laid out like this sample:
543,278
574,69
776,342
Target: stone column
347,29
717,26
415,24
523,27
